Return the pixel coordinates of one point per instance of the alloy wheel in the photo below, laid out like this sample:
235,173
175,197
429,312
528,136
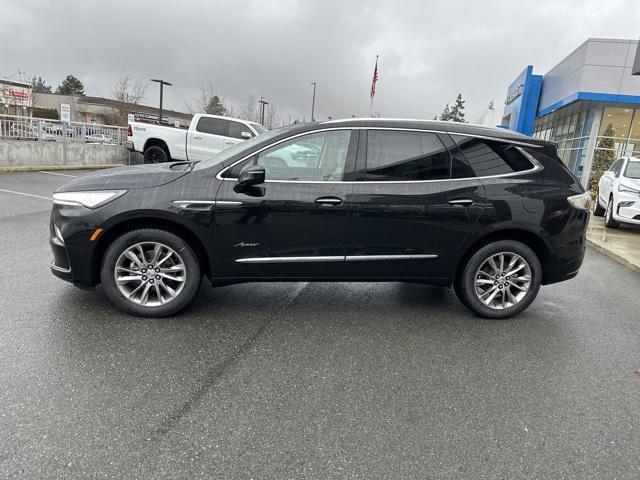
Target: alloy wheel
150,274
502,280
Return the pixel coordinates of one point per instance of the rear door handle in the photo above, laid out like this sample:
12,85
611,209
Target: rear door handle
329,201
462,202
197,137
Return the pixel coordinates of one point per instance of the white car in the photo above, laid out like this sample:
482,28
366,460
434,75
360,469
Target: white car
206,136
618,196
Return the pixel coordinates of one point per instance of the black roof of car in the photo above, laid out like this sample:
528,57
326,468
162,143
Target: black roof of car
433,125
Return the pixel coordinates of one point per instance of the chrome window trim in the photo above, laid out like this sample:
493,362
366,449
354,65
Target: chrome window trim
536,165
334,258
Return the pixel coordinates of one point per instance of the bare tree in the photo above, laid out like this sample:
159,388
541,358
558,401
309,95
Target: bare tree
129,91
250,111
208,101
272,119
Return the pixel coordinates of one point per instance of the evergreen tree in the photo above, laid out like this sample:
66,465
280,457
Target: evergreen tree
446,113
457,111
70,86
38,85
215,106
603,157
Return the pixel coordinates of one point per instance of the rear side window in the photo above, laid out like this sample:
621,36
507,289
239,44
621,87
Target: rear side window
404,156
213,126
236,129
487,157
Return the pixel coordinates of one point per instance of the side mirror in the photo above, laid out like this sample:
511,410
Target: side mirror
249,177
246,135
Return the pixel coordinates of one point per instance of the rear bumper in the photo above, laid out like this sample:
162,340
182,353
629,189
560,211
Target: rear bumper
130,146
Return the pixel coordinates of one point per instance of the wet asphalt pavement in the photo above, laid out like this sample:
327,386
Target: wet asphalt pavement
304,380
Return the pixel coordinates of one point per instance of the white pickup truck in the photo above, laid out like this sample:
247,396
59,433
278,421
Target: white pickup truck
206,136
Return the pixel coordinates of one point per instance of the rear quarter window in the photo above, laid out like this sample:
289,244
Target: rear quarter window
487,157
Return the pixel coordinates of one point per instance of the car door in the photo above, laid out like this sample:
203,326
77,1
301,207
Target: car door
409,216
294,225
208,138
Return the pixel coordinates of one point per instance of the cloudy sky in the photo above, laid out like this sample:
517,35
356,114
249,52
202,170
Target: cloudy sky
429,50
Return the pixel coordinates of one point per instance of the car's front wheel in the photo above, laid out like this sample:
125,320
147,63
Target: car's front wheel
500,279
598,210
609,222
150,273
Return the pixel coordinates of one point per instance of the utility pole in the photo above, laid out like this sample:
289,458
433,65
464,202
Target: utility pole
162,84
313,101
262,103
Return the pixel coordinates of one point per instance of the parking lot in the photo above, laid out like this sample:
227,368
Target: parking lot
309,380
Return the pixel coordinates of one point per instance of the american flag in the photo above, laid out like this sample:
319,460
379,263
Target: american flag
375,79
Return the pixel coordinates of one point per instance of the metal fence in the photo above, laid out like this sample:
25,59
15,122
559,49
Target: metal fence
46,130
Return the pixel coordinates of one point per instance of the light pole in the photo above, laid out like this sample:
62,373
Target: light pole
262,103
162,84
313,101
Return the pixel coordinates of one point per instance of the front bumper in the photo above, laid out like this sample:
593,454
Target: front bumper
60,266
627,208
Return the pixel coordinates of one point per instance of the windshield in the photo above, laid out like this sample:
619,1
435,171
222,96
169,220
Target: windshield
259,128
633,169
238,148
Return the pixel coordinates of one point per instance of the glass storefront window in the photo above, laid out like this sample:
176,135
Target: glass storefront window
635,126
619,119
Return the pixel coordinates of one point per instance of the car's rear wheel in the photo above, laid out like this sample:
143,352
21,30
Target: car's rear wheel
155,154
609,222
151,273
500,279
598,210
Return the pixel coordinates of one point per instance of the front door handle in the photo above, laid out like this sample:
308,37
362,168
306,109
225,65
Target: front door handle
334,201
462,202
228,142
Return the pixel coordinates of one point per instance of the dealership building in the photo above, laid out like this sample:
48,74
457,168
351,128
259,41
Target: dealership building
595,89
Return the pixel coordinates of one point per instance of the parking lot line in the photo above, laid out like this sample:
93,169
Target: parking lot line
27,194
56,173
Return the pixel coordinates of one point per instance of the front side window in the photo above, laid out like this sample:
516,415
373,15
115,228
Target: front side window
213,126
617,167
316,157
405,156
488,157
236,130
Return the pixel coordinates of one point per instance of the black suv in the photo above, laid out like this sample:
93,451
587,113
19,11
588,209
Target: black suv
493,213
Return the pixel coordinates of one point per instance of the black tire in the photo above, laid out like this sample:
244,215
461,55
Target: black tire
464,285
156,154
192,272
609,222
598,210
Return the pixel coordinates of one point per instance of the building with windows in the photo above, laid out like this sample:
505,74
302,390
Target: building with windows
15,98
593,92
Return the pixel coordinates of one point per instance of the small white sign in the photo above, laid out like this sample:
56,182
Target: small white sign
176,124
131,117
65,112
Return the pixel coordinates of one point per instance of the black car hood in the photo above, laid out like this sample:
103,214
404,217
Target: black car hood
127,178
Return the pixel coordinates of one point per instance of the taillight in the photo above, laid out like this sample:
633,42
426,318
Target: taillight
129,131
581,201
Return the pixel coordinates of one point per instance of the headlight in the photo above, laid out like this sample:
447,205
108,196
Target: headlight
87,199
624,188
582,201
